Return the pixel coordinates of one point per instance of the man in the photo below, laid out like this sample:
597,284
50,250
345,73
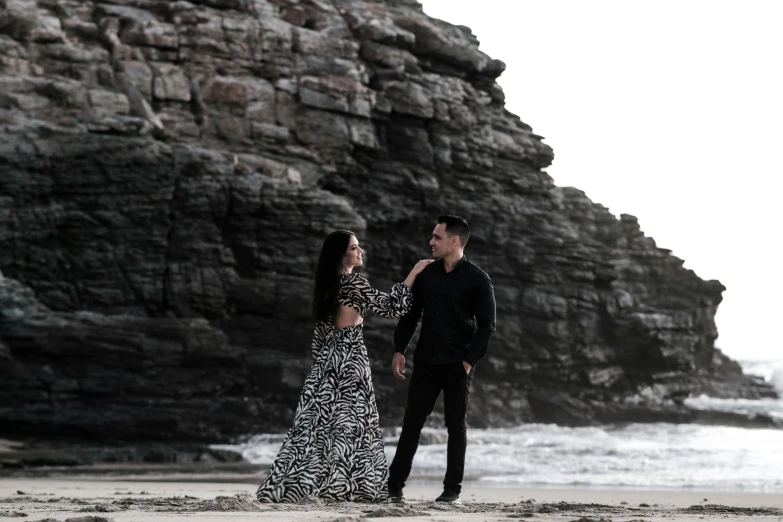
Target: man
457,302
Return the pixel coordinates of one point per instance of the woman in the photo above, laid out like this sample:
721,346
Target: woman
334,449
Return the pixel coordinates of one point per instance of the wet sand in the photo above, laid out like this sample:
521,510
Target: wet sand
141,499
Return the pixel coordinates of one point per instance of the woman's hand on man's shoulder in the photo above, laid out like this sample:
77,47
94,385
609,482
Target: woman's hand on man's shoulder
421,265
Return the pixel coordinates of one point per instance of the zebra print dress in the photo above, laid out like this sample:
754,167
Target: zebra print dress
334,450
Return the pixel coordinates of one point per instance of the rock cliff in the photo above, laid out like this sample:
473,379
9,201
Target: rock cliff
168,170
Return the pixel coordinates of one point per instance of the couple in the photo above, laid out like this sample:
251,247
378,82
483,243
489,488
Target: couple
334,450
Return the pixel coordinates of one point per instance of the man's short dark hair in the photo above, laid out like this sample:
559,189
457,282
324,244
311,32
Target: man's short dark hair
456,226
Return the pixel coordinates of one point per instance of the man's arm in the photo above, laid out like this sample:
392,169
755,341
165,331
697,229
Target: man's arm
485,318
407,325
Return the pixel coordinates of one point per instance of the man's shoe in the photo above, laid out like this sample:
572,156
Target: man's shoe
450,497
396,496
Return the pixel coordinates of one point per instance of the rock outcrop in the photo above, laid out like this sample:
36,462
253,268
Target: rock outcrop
168,171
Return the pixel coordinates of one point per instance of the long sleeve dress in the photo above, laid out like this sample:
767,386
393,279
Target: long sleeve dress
334,450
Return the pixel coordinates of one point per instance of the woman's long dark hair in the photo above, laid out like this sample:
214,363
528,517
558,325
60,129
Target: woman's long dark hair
328,273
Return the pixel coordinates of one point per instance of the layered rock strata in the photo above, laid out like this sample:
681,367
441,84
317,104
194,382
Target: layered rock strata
168,171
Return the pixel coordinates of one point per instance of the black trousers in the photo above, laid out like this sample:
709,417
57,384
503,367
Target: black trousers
426,384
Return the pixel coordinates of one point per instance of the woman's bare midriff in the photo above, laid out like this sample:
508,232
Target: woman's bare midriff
347,317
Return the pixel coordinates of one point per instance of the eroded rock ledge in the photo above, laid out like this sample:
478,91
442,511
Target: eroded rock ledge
169,169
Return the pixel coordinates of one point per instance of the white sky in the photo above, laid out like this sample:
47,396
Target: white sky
670,110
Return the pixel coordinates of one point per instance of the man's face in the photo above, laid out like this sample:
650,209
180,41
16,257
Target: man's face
442,244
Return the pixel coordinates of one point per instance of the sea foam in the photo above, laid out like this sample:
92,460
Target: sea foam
656,455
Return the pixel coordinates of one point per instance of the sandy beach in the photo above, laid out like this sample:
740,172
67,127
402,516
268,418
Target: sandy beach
180,498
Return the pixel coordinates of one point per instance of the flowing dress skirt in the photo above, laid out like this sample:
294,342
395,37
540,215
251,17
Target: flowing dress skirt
334,450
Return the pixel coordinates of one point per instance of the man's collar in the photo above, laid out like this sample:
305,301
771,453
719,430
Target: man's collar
456,265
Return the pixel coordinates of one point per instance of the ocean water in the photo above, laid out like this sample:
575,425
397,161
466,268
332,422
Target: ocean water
658,456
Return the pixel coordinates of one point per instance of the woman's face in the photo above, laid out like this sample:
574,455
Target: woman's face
353,254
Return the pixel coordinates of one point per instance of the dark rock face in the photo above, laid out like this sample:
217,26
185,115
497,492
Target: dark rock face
168,171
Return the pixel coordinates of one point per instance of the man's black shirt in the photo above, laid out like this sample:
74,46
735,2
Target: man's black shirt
458,309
